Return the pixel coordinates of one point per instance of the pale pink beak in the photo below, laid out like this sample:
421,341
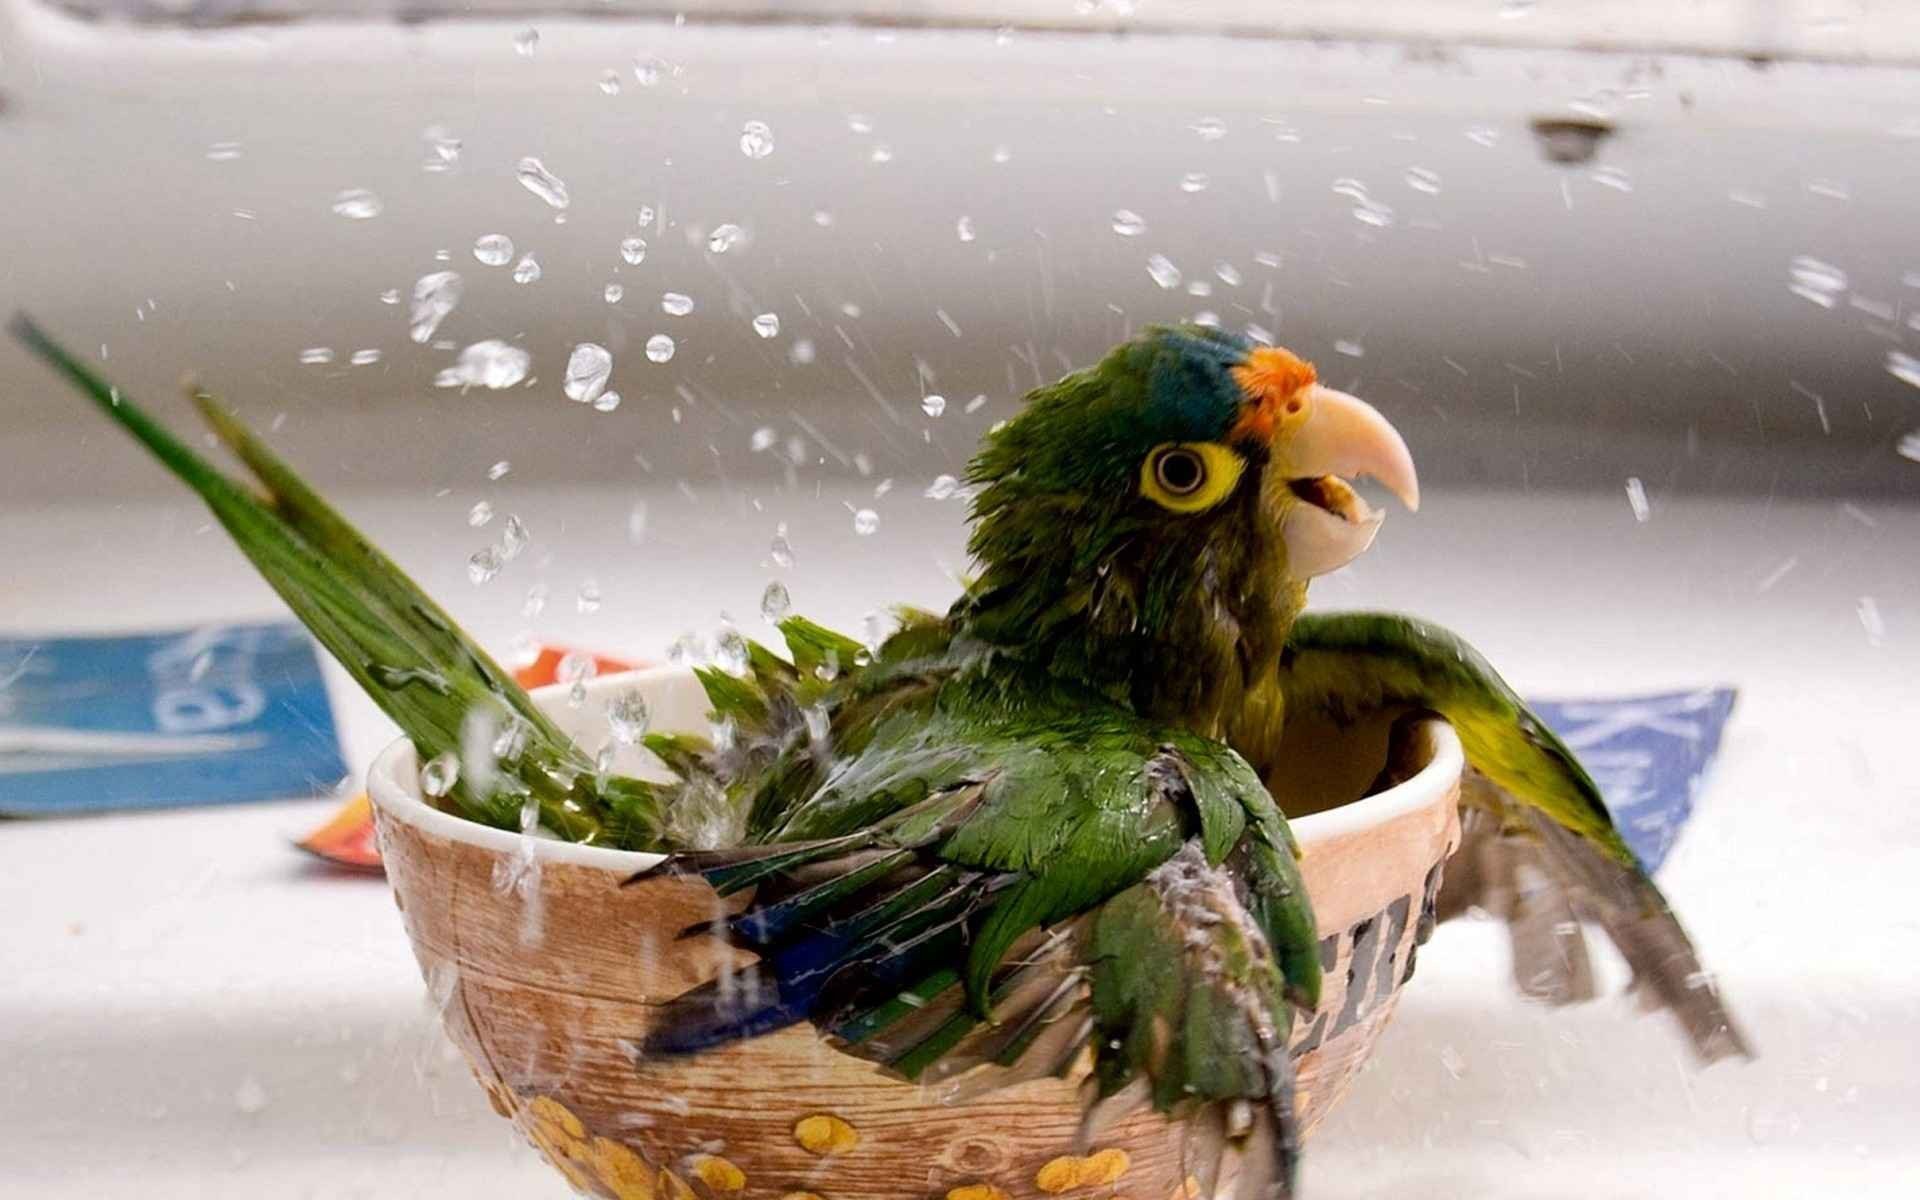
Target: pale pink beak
1342,438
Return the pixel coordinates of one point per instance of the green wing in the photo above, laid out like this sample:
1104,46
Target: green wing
1539,847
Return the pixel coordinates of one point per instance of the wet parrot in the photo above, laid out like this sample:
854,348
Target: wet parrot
1041,825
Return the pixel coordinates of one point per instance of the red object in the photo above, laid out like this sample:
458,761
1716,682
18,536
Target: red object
346,839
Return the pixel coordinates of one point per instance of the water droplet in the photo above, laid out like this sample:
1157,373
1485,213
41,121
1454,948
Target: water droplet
648,68
1001,154
434,296
977,403
1811,279
627,717
1422,180
1210,129
801,352
493,249
440,774
588,369
1637,499
607,401
223,151
933,406
1194,181
659,348
315,356
964,228
1612,177
780,548
676,304
942,487
881,153
364,358
1199,287
490,364
1128,223
1207,318
1350,347
250,1097
446,147
822,218
767,325
634,250
1163,271
1372,212
527,270
756,139
535,177
1909,446
479,514
514,537
724,238
610,82
483,565
587,600
865,521
613,293
1227,273
1871,620
390,296
357,204
1904,367
775,602
536,601
498,471
762,439
526,42
859,123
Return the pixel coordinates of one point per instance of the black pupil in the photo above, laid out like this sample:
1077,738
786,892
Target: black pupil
1180,471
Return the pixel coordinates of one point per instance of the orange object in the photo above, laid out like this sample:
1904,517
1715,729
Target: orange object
346,839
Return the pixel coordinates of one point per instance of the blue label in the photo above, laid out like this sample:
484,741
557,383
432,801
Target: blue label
217,715
1649,755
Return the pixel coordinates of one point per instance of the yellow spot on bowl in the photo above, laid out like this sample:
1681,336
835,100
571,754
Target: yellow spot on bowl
624,1172
825,1134
976,1191
1104,1167
1189,1189
1063,1174
719,1174
551,1112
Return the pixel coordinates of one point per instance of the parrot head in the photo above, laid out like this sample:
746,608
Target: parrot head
1171,504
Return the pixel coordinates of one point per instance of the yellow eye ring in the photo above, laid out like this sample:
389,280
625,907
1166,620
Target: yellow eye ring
1189,477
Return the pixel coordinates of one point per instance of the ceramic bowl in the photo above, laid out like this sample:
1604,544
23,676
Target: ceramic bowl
546,970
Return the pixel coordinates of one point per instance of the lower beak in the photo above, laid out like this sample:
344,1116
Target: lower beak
1327,525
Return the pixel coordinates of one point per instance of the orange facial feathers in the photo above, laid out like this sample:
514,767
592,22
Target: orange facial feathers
1271,378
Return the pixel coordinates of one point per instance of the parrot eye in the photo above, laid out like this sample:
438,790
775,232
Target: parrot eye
1180,472
1188,477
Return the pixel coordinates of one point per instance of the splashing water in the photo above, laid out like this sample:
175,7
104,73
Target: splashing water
942,487
434,296
724,238
1420,179
613,293
767,325
775,602
526,42
1128,223
607,401
1194,181
316,356
490,364
479,514
780,548
1814,280
676,304
588,598
483,565
933,405
514,537
357,204
659,348
493,249
440,774
634,250
588,369
527,270
1162,271
535,177
865,522
964,229
756,139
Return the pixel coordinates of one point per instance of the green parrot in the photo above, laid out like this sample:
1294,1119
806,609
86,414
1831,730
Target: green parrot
1011,835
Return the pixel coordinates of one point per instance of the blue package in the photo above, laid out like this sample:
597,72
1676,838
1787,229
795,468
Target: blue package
221,714
1649,754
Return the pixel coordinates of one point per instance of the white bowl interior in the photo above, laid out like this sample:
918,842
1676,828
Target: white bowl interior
677,704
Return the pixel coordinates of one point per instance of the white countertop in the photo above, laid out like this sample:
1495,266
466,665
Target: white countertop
192,1008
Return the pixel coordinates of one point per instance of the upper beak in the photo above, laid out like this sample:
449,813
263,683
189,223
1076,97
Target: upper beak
1347,437
1328,525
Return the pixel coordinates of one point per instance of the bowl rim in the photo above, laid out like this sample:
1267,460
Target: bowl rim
396,793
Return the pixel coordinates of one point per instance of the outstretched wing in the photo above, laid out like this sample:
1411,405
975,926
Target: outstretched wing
1539,846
